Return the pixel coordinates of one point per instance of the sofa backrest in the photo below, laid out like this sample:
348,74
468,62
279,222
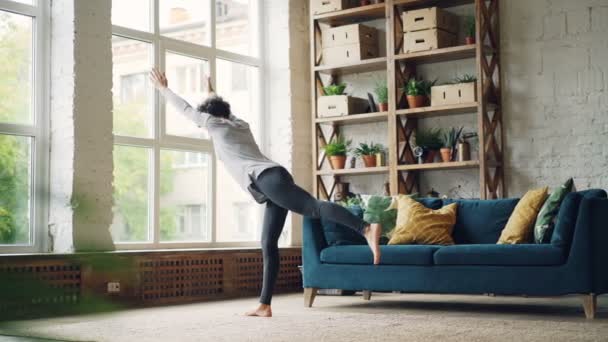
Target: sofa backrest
481,221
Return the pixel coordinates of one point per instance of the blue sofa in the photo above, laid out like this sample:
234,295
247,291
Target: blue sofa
573,263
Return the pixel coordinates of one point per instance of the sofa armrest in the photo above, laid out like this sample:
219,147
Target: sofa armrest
597,209
313,242
589,250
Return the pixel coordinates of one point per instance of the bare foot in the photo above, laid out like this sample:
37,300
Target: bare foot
372,235
263,310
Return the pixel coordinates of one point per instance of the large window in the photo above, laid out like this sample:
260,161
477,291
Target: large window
23,125
170,190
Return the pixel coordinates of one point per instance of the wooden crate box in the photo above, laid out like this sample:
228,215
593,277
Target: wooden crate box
346,54
450,94
340,105
429,18
350,34
324,6
427,40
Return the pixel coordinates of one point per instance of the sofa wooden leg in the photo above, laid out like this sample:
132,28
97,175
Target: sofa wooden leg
309,296
590,305
367,295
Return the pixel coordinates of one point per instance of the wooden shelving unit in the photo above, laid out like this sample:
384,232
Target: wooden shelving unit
402,169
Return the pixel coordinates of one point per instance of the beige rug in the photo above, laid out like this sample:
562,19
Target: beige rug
387,317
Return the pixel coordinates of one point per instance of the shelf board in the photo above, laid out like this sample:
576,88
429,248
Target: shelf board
432,111
354,118
366,65
470,164
353,172
361,13
412,4
439,55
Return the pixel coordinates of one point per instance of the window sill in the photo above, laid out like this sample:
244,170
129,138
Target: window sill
132,252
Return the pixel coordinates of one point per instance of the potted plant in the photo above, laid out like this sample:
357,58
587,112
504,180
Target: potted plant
368,152
450,139
430,141
381,91
336,151
334,89
466,78
469,29
417,92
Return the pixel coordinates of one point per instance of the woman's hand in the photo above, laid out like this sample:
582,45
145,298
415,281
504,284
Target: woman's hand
210,89
158,79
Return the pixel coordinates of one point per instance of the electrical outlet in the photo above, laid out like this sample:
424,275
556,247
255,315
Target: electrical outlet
113,287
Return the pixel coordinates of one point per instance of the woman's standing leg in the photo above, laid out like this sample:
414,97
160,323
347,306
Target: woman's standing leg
274,220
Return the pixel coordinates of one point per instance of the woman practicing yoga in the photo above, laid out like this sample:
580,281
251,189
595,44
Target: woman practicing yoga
266,180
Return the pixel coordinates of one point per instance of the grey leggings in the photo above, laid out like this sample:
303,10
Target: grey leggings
284,195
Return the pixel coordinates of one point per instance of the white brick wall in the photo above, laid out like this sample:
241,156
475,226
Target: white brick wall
81,126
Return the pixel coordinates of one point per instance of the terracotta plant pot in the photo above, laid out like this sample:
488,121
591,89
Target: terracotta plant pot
469,40
446,154
429,156
415,101
369,161
383,107
337,162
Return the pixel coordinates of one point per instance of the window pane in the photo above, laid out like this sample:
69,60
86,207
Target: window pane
133,93
184,197
186,20
239,215
131,194
239,84
185,75
236,27
15,189
16,68
133,14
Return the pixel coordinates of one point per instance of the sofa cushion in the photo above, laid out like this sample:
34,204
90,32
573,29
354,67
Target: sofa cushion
417,224
520,227
566,221
337,234
545,221
391,255
481,221
500,255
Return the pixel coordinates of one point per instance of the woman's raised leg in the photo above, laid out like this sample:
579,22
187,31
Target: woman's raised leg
278,185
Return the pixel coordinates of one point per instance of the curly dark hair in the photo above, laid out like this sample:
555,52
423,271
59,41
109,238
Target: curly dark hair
216,106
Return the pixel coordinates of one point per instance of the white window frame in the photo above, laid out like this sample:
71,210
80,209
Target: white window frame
160,140
38,131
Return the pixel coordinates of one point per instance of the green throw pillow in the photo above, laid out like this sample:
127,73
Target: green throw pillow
545,221
375,211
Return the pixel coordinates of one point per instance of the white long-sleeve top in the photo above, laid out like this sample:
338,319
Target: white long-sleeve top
232,139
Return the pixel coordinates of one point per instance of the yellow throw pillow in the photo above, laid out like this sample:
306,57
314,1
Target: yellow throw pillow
520,227
417,224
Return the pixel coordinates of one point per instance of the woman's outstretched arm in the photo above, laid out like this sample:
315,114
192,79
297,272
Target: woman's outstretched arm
160,82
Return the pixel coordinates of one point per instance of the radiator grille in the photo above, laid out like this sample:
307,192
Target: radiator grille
181,278
250,270
38,286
